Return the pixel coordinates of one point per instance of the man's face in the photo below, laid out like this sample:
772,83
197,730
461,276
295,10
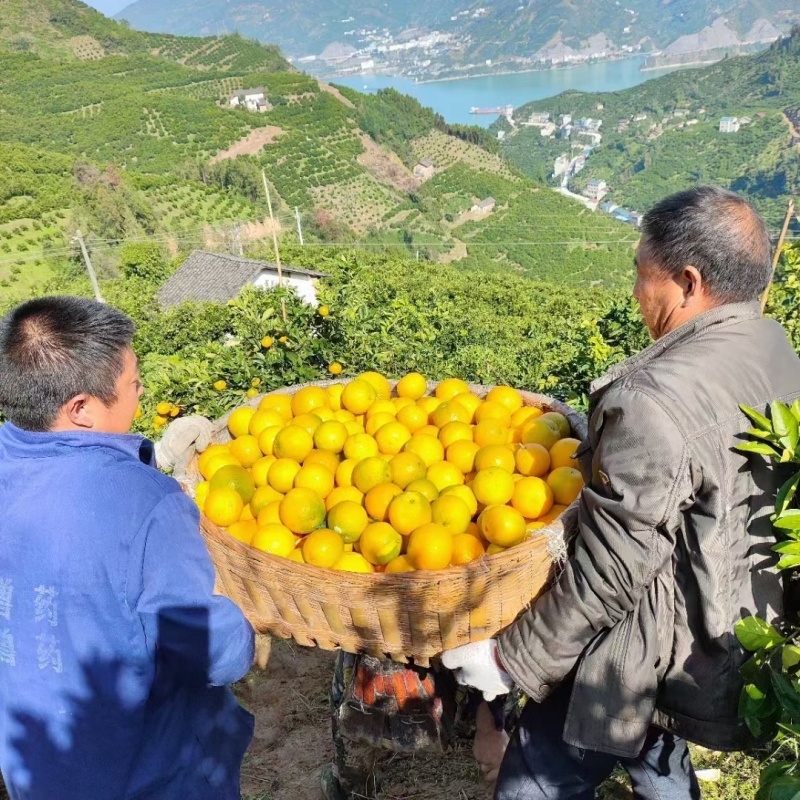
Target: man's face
658,294
118,417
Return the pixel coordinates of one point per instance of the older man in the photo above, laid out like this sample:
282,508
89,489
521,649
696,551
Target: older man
632,651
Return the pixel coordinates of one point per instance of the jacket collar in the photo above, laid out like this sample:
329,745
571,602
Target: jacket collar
730,312
19,443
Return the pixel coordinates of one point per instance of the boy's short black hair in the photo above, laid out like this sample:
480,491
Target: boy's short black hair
718,232
54,348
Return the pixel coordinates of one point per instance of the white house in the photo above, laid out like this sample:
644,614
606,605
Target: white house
424,169
561,165
251,99
485,206
596,189
728,125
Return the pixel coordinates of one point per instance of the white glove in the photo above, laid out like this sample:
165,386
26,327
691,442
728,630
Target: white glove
477,665
183,437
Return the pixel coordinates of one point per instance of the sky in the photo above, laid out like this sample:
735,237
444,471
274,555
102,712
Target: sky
108,7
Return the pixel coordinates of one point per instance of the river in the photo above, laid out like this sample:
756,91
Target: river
454,98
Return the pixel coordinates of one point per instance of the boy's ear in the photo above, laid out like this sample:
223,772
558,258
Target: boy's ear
78,410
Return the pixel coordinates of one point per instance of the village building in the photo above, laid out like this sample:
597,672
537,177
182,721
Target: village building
547,130
539,118
424,169
251,99
561,165
217,278
596,189
485,206
728,125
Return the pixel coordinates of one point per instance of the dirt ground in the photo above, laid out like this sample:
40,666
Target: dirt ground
253,143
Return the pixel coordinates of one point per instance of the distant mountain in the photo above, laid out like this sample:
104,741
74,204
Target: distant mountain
480,29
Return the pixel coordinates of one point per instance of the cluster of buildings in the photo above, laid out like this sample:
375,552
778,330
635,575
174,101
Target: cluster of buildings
732,124
251,99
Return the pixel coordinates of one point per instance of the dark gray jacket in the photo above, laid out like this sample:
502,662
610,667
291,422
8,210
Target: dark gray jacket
673,543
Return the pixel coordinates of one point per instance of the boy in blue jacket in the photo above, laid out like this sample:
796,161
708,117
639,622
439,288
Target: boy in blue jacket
115,654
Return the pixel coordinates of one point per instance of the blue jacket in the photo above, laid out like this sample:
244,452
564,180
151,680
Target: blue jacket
114,654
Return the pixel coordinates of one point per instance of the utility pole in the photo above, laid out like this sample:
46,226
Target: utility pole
274,239
776,257
89,268
237,230
299,225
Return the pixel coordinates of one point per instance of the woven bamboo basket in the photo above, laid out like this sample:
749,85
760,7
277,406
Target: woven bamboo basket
407,616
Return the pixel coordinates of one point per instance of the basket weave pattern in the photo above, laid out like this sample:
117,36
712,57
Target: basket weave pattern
403,616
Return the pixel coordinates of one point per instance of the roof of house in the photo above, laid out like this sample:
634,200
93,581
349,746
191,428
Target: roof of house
728,119
426,162
217,278
489,201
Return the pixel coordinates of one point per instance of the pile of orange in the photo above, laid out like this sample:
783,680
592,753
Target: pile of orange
360,478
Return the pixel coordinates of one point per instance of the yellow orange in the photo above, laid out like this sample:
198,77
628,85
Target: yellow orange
358,396
492,486
377,421
201,491
260,470
525,414
266,439
348,519
263,496
307,399
381,385
429,430
495,455
293,442
263,419
490,431
234,477
506,396
246,514
493,410
412,385
444,474
559,421
274,538
316,478
246,449
308,422
323,548
494,549
343,415
239,420
449,388
566,483
400,403
244,530
223,506
360,446
539,432
218,461
270,513
428,448
392,437
400,564
429,405
430,546
369,472
344,472
281,403
330,436
281,474
342,493
451,513
302,510
297,555
463,493
461,454
532,497
353,562
532,460
502,525
209,453
470,401
408,511
321,414
425,488
334,393
323,458
455,431
450,412
413,417
380,543
406,467
466,548
381,407
553,514
378,499
562,453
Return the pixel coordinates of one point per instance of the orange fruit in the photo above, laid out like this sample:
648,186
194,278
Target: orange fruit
492,410
451,513
408,511
406,467
323,548
560,422
266,439
495,455
429,430
223,506
566,483
506,396
334,393
449,388
201,491
370,472
307,399
502,525
270,514
461,454
321,414
282,403
315,477
428,448
381,385
297,555
412,385
429,405
532,460
302,510
246,513
360,446
275,539
539,432
490,431
474,530
380,543
344,472
358,396
470,401
244,530
342,415
554,513
378,498
239,420
413,417
210,452
533,525
348,519
452,432
466,548
309,422
392,437
425,488
353,562
525,414
335,368
562,453
444,474
450,412
400,564
263,495
463,493
282,473
234,477
218,461
246,449
330,436
260,470
400,403
263,419
324,458
492,486
377,421
354,427
430,546
381,407
293,442
494,549
342,493
532,497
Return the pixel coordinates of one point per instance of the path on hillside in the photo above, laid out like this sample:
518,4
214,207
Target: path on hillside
250,145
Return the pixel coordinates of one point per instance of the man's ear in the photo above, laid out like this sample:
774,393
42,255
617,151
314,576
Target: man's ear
78,411
692,284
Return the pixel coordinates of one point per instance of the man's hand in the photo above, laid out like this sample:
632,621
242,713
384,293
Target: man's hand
183,434
477,665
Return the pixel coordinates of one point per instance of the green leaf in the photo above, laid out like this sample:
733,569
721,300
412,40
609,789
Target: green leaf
756,634
786,494
789,562
785,425
791,547
785,788
789,520
756,447
759,434
790,656
786,694
796,409
759,419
